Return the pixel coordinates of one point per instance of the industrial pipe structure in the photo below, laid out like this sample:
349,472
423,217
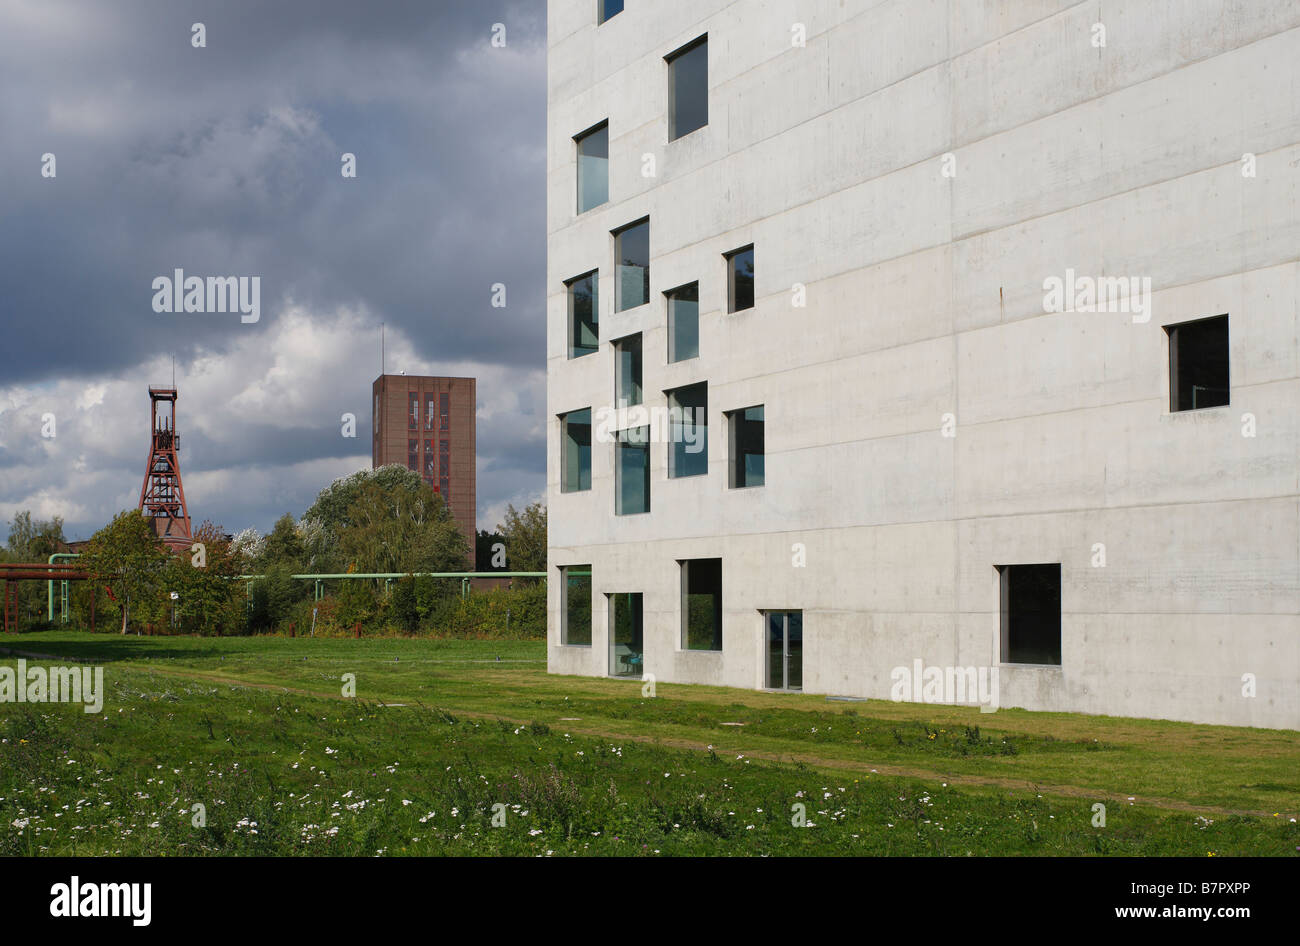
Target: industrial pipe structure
317,578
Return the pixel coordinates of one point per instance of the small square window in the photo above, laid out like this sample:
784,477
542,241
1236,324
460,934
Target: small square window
688,433
1031,614
593,167
745,432
632,273
701,604
607,8
575,451
584,332
1198,364
688,88
575,605
632,471
627,372
740,279
684,322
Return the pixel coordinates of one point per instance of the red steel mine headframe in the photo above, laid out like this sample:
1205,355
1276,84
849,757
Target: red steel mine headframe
162,498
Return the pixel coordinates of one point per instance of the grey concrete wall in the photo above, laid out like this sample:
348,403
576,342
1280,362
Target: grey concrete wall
924,299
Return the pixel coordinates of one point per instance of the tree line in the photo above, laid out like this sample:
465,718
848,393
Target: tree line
375,521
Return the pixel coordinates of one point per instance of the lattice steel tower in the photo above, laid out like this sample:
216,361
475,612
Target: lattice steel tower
162,497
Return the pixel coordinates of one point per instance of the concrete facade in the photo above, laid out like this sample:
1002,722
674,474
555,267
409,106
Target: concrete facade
444,442
915,172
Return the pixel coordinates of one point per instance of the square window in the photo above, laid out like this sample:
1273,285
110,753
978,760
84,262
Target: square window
684,322
607,8
1198,364
627,372
688,88
632,470
745,433
575,605
583,314
740,279
688,430
593,167
701,604
1031,614
575,451
632,274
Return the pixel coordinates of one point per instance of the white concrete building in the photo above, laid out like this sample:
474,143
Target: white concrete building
925,193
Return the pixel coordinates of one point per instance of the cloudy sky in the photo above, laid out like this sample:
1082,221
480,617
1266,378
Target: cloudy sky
226,160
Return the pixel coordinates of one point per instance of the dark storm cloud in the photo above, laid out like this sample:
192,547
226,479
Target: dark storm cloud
225,160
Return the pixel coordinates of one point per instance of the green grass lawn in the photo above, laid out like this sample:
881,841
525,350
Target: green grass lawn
445,737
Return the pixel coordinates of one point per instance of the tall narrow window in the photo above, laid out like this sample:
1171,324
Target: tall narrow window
430,462
444,457
627,371
1198,364
583,313
606,9
444,410
444,487
575,605
745,431
632,472
413,410
575,451
701,604
740,279
684,322
688,88
688,430
413,455
593,167
632,277
428,412
1031,614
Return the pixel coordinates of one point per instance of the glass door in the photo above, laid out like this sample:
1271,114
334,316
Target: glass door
626,647
784,650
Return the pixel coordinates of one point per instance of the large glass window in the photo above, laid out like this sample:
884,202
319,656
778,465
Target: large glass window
430,462
583,314
575,605
688,430
701,604
746,435
626,638
1198,364
413,455
632,277
688,88
684,322
740,279
627,372
575,451
444,410
608,8
413,410
593,167
1031,614
428,411
632,471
